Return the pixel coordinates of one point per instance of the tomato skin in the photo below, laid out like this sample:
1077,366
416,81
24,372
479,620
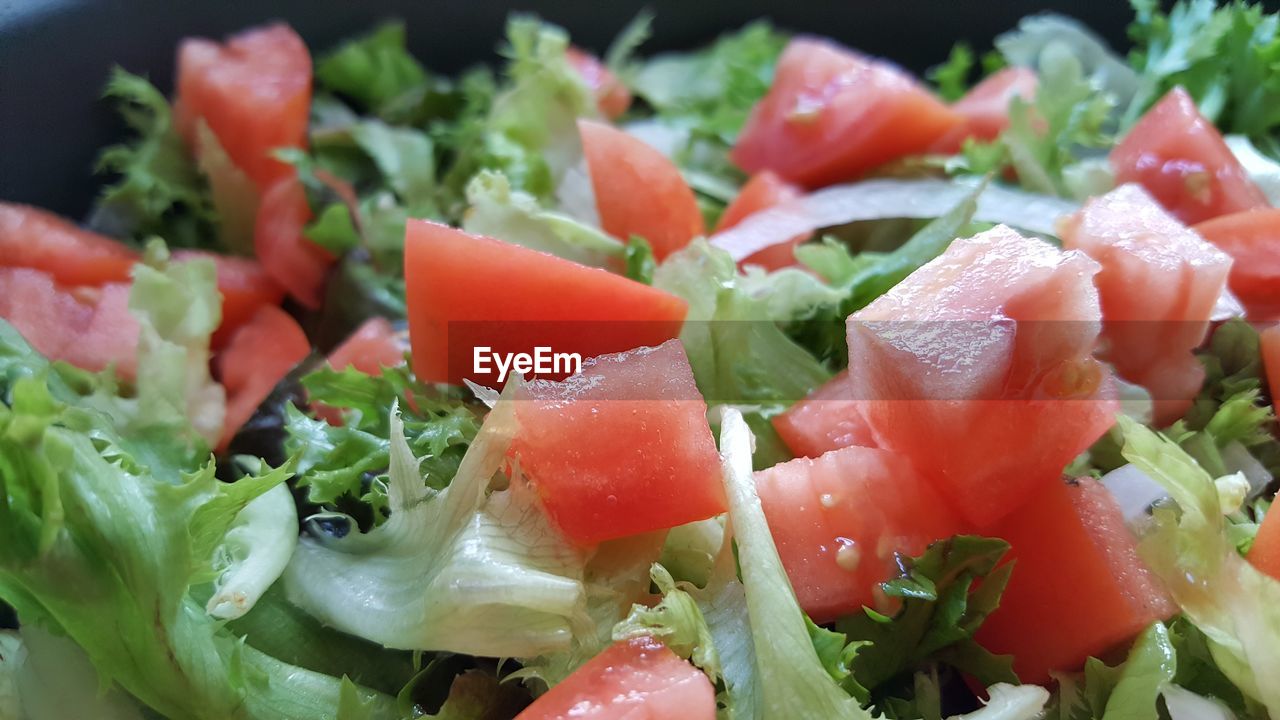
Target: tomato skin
466,291
829,419
763,191
1252,239
254,93
373,346
979,368
259,355
288,257
38,239
836,546
1265,553
1078,587
611,94
89,327
985,108
833,114
1181,159
622,448
638,190
639,679
1158,286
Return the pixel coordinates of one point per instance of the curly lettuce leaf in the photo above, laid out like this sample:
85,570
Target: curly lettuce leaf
85,519
466,569
53,680
1232,603
253,553
1127,690
375,70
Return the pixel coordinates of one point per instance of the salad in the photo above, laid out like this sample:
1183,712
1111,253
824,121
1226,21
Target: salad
759,381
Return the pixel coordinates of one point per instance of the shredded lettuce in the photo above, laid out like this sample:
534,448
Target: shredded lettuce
54,680
253,553
374,70
234,196
1128,691
1233,604
464,569
1028,46
1262,170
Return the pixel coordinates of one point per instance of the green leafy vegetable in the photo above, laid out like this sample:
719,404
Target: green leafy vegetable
638,261
253,553
952,76
1128,690
53,679
159,190
374,70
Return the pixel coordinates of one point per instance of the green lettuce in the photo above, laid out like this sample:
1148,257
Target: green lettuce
53,679
86,519
253,553
374,70
1232,603
1128,690
465,569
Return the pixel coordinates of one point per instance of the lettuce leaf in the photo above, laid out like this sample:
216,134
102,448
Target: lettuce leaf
253,553
53,679
12,654
1128,691
464,569
374,70
1232,603
85,519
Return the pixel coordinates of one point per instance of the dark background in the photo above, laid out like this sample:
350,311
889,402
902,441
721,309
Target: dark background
55,54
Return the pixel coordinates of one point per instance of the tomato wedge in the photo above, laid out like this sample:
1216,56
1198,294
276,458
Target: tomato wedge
979,368
827,420
762,192
1252,239
254,93
373,346
38,239
841,520
833,114
89,327
638,679
611,94
1181,159
638,190
467,292
621,448
1265,553
260,354
985,108
1078,587
1158,287
288,257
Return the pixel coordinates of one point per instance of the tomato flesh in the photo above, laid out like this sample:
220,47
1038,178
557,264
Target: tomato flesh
638,190
254,93
638,679
1078,587
979,368
373,346
1265,553
1181,159
37,239
762,192
1158,287
832,114
827,420
1252,239
611,94
89,327
287,256
985,108
468,291
259,355
840,520
621,448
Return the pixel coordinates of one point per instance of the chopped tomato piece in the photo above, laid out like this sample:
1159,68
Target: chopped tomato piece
1158,287
288,257
827,420
89,327
1181,159
985,108
840,521
638,679
254,93
260,354
244,286
621,448
1271,359
762,192
611,94
833,114
467,292
979,368
1252,239
1078,587
1265,553
38,239
373,346
638,190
